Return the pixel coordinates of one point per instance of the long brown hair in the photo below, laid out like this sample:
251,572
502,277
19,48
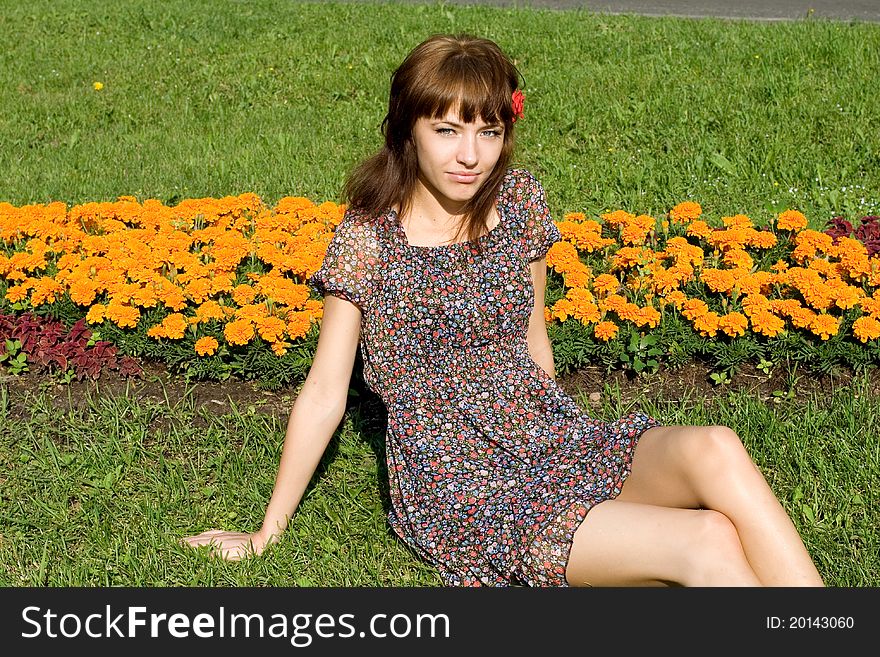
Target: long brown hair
444,72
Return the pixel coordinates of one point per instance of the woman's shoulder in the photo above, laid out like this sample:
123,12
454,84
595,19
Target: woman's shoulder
519,185
520,176
361,230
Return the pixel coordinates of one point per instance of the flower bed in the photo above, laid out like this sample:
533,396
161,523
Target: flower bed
216,287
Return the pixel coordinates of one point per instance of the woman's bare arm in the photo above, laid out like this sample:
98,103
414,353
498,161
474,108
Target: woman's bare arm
315,416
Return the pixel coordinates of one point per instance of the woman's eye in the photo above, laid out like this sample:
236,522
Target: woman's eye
444,131
492,133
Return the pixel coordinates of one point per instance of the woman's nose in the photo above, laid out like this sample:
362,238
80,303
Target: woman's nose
467,150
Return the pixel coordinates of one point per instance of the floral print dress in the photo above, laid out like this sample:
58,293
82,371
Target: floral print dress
492,466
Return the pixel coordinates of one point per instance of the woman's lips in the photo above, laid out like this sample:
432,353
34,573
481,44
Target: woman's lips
463,176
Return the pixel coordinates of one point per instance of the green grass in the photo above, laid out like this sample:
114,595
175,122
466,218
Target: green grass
100,494
282,98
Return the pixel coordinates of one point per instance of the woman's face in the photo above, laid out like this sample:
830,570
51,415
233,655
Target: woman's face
455,158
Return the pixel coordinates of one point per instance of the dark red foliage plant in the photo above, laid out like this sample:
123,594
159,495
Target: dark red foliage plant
50,346
867,232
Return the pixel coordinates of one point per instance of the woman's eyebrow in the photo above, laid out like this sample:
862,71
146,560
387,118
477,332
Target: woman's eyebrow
459,125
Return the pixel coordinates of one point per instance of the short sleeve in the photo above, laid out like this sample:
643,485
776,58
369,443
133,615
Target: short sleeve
539,230
350,266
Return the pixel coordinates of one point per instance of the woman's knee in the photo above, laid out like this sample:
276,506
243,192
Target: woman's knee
716,556
714,449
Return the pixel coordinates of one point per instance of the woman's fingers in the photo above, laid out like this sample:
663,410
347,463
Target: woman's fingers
231,546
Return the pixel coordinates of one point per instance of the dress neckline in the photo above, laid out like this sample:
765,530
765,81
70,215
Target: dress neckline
392,214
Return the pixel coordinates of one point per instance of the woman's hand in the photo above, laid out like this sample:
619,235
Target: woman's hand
231,546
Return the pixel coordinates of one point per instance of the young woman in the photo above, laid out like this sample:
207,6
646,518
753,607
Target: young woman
496,475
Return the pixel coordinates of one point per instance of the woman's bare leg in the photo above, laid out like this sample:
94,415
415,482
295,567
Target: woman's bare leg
633,544
708,468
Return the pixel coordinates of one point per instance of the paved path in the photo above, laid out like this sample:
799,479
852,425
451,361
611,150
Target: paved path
771,10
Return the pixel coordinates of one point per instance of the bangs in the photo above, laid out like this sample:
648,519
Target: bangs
472,89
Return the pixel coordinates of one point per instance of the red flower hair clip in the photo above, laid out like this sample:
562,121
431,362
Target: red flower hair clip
519,99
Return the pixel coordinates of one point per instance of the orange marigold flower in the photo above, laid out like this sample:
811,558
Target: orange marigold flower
210,310
96,314
627,256
206,346
755,303
663,281
779,266
243,294
561,254
685,212
733,324
239,331
586,312
737,221
738,259
676,298
824,325
694,308
871,305
123,315
791,220
198,290
766,323
298,323
718,280
845,296
707,324
699,229
617,217
271,329
174,326
280,348
614,303
646,316
866,328
46,291
605,284
222,282
577,275
802,317
17,293
762,239
605,330
562,309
